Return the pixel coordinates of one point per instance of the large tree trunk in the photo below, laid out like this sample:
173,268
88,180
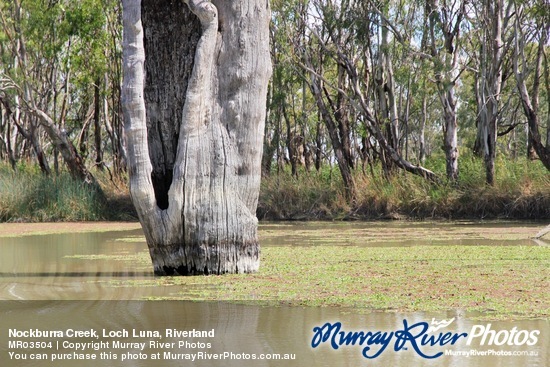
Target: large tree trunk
194,129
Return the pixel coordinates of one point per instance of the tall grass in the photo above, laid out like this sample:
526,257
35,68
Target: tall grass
522,191
312,195
27,195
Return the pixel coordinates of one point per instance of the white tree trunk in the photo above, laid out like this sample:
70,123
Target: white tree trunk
495,17
446,64
195,179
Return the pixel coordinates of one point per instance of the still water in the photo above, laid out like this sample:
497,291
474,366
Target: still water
50,283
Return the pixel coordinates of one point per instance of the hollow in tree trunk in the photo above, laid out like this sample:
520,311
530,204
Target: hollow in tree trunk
194,90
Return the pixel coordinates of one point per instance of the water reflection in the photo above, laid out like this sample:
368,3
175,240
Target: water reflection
46,280
250,330
385,234
58,267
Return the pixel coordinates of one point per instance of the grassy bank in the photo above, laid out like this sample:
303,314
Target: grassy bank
522,191
26,195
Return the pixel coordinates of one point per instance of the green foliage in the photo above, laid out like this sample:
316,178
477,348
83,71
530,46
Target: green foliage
522,191
70,46
56,52
284,196
27,195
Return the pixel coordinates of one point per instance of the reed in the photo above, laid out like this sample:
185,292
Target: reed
522,191
27,195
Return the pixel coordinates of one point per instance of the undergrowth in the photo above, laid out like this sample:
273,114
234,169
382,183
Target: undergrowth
522,191
26,195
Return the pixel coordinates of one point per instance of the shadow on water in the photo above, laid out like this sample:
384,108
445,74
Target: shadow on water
48,283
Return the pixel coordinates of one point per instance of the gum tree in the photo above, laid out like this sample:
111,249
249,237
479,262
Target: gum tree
49,54
194,91
537,30
493,18
444,48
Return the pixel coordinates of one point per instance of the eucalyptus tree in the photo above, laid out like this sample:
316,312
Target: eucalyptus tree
493,20
531,29
385,86
444,34
329,25
290,105
345,32
194,90
285,83
16,71
52,54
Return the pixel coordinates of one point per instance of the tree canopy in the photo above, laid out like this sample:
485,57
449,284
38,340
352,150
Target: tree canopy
358,85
